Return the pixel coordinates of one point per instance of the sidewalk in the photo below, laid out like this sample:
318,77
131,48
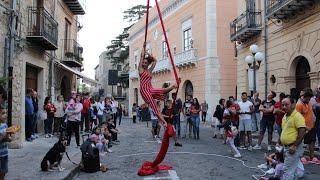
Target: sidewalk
25,163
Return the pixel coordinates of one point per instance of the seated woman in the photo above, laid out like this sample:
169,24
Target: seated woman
148,93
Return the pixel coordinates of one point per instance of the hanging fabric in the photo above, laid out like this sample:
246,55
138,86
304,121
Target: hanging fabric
149,168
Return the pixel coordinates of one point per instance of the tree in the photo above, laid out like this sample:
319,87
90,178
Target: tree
135,13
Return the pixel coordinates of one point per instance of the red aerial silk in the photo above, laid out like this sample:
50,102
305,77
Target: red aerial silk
149,168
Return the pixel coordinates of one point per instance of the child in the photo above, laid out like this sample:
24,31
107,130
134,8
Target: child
230,133
101,141
165,114
4,138
277,165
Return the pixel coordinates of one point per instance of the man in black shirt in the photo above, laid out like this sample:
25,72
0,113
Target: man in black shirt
176,113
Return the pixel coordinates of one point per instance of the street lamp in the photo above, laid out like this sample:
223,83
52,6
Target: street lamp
251,61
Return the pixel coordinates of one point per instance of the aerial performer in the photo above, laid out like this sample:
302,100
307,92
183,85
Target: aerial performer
149,93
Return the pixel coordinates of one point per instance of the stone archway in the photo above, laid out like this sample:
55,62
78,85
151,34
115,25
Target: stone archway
300,69
65,89
188,88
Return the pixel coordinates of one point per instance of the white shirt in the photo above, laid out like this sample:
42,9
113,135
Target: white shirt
60,111
100,107
245,107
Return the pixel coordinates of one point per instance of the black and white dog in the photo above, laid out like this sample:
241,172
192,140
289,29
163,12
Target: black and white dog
54,156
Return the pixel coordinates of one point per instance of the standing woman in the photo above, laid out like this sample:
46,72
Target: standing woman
119,112
219,115
50,109
134,112
100,108
74,118
195,116
59,114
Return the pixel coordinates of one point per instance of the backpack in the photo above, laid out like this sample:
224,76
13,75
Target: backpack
90,157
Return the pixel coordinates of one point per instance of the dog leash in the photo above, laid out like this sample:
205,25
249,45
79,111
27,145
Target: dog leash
70,159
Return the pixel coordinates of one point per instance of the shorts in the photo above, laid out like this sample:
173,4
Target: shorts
310,136
154,123
4,164
266,124
245,124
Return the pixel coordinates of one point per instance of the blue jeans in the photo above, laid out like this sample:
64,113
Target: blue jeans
318,130
176,123
48,125
196,124
34,123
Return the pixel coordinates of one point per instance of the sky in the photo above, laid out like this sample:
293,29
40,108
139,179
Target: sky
102,22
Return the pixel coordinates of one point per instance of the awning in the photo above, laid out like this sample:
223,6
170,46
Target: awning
85,79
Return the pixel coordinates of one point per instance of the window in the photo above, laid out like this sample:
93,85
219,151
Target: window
135,56
187,41
164,50
119,68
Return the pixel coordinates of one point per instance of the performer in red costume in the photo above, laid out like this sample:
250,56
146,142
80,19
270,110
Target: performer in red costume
148,93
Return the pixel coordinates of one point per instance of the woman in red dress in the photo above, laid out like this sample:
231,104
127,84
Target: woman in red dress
148,93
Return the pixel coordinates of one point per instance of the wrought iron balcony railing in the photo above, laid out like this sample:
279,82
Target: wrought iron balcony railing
42,28
182,59
72,53
76,6
286,9
246,26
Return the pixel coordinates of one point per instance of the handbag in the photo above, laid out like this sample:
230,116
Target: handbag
42,114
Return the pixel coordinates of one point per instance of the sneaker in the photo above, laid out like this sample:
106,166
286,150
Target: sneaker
178,144
159,141
304,161
47,136
250,148
271,171
36,136
242,147
116,141
109,150
269,148
263,166
279,148
33,137
29,139
315,161
237,155
257,147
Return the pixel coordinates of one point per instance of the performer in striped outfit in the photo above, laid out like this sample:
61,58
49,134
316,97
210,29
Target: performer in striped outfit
148,93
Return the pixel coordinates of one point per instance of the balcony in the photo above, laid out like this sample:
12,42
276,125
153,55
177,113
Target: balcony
182,59
42,29
246,26
72,53
134,74
286,9
76,6
119,96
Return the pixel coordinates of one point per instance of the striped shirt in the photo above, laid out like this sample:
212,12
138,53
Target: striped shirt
3,145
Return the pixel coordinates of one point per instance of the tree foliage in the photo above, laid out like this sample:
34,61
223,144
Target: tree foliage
135,13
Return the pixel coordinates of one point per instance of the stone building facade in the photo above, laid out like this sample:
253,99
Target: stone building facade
199,40
289,38
43,37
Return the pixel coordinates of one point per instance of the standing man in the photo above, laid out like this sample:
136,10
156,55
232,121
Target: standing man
293,131
267,120
114,106
187,115
304,107
279,113
204,109
245,122
29,110
256,116
35,103
176,113
134,113
85,113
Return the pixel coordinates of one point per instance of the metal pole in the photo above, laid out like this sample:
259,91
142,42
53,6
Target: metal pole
265,50
254,76
12,32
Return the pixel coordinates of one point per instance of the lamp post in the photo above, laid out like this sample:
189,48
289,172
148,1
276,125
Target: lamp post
252,60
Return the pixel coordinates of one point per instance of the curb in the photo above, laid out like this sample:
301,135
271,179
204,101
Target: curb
72,173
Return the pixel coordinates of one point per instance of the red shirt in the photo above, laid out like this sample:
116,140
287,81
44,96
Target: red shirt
86,105
235,107
279,115
51,109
